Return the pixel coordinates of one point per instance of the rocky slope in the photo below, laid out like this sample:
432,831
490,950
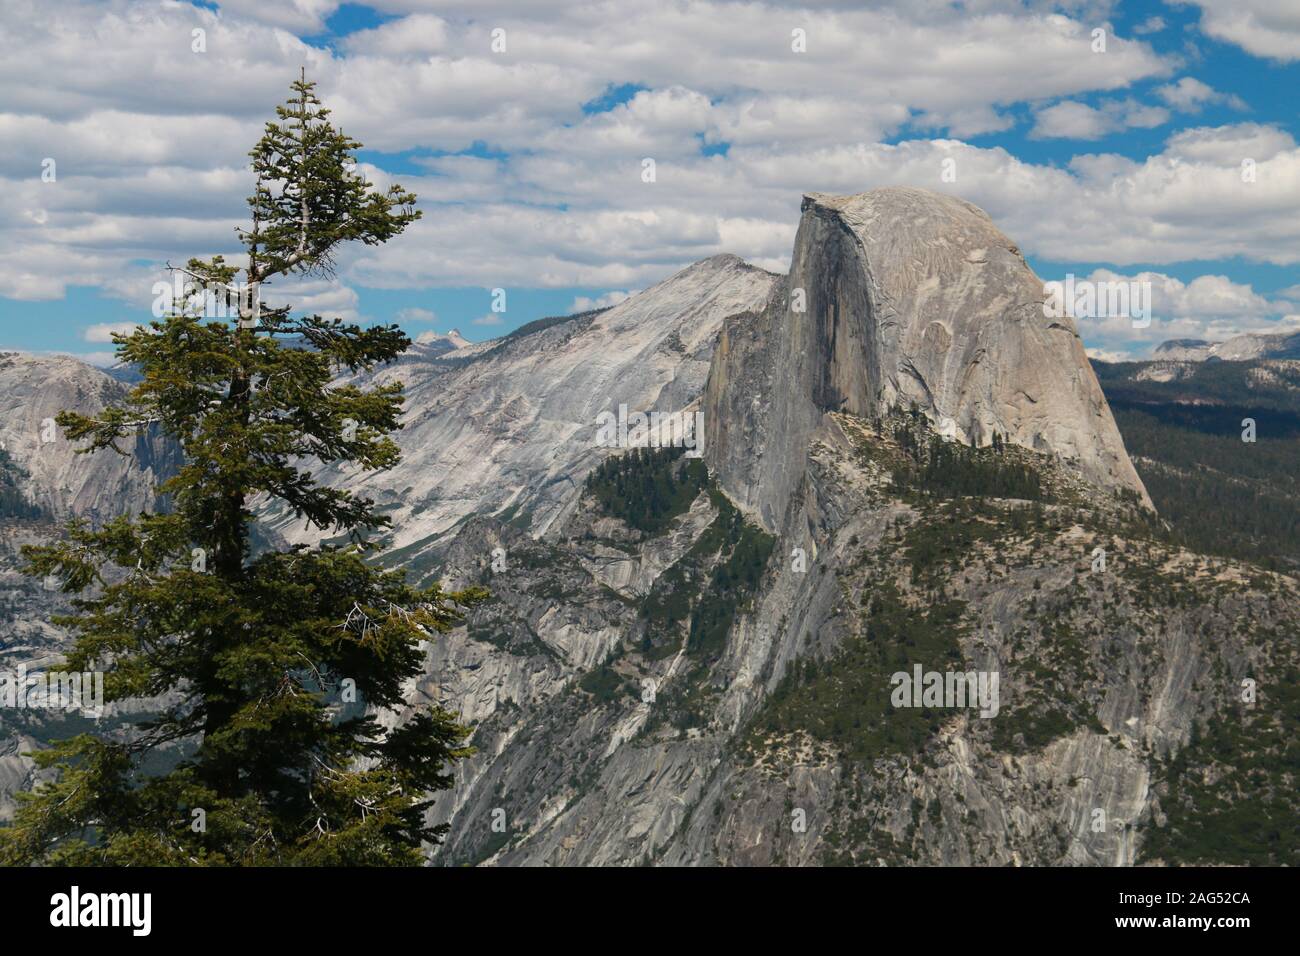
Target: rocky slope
616,725
52,483
511,425
33,390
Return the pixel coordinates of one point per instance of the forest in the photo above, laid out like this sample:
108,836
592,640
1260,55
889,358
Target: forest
1220,493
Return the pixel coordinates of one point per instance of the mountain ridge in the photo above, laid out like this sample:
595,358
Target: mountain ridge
1238,348
510,424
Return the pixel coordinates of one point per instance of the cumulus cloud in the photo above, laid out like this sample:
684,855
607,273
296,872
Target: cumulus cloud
1230,144
302,16
585,303
1108,355
327,297
1074,120
98,359
1269,28
586,221
1190,94
1209,307
150,144
104,331
71,59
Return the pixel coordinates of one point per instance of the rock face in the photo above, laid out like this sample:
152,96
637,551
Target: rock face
33,390
511,424
62,484
901,296
1239,348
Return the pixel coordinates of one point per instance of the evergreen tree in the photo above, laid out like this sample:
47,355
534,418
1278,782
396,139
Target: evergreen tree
254,655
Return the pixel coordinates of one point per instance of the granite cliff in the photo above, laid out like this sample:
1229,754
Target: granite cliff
901,297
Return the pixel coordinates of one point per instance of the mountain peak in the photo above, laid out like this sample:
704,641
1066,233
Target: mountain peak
896,198
900,297
451,341
708,269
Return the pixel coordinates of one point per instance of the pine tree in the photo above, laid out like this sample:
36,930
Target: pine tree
272,666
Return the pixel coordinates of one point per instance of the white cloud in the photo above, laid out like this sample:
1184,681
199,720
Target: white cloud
1207,297
302,16
104,331
575,220
418,35
585,303
492,318
1190,94
1269,28
327,297
416,315
1229,145
1108,355
67,60
1150,25
1209,307
150,142
1074,120
98,359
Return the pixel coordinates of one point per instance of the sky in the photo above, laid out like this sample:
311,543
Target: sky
1107,139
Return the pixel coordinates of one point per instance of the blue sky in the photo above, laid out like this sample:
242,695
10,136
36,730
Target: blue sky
1121,162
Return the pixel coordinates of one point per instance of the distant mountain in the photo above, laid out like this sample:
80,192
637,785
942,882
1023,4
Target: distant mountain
1239,348
435,343
33,390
